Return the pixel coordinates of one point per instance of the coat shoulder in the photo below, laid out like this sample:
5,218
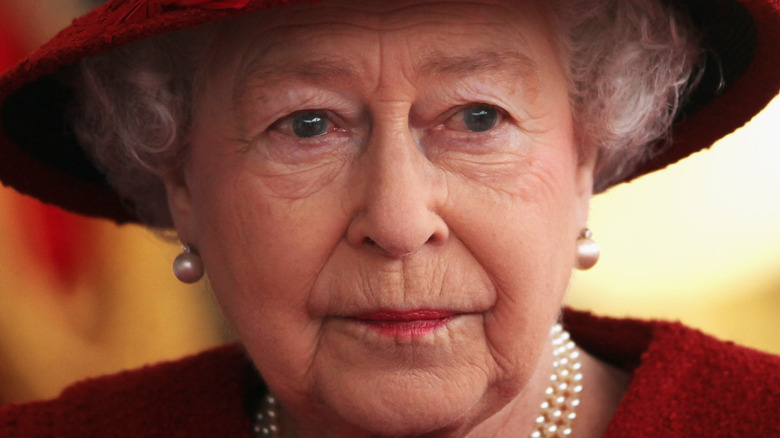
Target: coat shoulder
201,395
688,384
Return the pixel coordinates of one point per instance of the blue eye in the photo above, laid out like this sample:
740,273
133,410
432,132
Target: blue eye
480,118
310,124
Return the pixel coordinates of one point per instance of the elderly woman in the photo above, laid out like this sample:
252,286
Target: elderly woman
389,198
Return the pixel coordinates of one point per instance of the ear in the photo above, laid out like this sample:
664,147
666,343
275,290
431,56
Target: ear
180,206
586,167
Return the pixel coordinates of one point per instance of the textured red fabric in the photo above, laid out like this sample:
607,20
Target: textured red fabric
201,396
685,384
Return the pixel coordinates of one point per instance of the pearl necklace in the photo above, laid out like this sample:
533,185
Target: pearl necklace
563,395
557,410
266,418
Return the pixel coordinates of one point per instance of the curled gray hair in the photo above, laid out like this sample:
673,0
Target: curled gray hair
630,64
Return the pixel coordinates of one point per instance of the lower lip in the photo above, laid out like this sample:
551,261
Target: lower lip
413,324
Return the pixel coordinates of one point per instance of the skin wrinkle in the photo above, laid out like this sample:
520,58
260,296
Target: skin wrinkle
395,10
388,285
284,189
588,36
502,363
400,274
484,60
504,66
431,64
506,237
245,122
318,72
480,172
311,269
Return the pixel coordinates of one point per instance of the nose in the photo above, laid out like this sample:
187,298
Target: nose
399,193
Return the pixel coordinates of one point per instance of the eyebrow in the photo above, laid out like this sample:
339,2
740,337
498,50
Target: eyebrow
508,65
314,71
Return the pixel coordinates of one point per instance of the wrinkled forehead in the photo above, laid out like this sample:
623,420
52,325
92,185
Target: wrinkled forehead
341,39
398,15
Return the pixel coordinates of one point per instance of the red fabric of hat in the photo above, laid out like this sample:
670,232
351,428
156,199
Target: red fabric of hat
40,157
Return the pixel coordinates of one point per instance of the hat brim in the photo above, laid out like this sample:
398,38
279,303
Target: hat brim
41,157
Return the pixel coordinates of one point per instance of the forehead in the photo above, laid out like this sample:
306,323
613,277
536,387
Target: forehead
428,37
397,15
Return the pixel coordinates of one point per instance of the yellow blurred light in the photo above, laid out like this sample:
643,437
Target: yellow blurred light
698,241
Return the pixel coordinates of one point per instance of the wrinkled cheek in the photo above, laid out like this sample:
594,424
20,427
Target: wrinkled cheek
272,325
517,345
263,253
302,181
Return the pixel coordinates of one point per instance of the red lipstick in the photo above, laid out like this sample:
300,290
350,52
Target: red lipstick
409,323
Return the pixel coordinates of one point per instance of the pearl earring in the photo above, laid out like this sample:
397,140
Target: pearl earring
188,267
588,251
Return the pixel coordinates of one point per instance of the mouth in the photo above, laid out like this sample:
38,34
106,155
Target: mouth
410,323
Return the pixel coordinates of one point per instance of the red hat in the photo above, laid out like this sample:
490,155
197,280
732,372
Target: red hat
39,155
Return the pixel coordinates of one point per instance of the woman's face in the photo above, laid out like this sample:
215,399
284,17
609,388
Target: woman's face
386,196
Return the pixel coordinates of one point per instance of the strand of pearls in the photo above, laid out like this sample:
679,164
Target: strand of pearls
563,395
557,410
266,418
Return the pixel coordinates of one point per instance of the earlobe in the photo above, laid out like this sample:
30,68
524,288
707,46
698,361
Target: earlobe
180,206
586,167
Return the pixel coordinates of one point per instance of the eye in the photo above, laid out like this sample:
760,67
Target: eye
309,124
475,118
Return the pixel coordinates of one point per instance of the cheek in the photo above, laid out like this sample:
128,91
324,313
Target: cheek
523,237
262,253
258,226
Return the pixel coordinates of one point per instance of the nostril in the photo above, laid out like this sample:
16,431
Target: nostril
437,237
396,238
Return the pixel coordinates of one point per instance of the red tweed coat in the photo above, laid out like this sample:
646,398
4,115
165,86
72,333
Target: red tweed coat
685,384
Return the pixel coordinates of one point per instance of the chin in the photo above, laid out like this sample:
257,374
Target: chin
413,420
411,403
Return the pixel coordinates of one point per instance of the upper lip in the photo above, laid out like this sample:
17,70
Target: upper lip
406,315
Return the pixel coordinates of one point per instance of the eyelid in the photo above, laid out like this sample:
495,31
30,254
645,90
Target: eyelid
503,115
265,106
334,121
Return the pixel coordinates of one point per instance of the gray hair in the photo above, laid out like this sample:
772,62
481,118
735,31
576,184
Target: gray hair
630,65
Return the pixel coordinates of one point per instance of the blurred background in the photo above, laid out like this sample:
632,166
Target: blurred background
698,242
